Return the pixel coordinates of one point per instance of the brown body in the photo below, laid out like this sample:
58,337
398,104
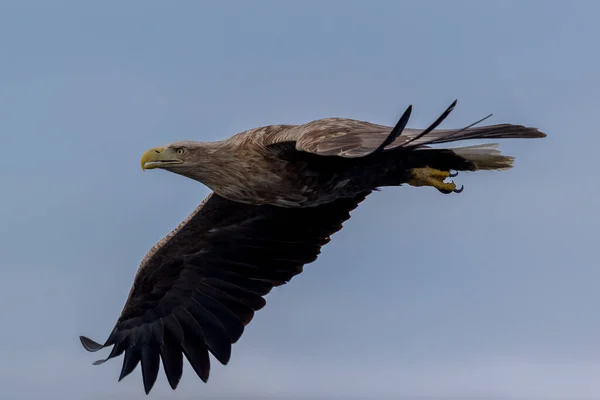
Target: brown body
278,175
260,166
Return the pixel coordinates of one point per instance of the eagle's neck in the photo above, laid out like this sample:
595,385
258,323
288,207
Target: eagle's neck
207,162
232,170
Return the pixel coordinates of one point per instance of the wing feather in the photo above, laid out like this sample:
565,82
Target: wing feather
172,358
349,138
195,291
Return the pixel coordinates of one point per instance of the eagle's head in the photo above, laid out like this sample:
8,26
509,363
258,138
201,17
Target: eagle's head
174,156
205,162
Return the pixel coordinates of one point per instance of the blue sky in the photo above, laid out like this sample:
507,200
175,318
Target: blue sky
490,293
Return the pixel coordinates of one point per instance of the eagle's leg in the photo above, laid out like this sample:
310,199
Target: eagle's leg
433,177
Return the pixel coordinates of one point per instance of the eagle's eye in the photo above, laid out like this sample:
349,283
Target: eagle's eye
180,151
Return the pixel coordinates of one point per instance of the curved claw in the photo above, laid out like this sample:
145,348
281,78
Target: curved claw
452,175
462,187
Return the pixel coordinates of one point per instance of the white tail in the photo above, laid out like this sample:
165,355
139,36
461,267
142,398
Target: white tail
485,157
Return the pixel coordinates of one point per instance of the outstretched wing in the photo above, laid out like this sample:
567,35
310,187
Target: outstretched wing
200,286
351,138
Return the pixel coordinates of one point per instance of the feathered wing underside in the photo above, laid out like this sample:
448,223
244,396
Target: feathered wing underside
351,138
194,294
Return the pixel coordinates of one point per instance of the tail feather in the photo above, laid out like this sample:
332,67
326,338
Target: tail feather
478,157
485,157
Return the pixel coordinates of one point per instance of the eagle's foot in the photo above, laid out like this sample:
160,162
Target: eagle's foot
433,177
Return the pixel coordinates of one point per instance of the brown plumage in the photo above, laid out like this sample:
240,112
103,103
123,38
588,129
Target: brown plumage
279,193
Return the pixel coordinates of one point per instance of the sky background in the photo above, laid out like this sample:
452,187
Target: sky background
491,294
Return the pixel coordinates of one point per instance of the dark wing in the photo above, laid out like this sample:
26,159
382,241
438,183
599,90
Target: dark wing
351,138
199,287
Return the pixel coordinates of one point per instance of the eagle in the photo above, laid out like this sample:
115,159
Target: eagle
278,194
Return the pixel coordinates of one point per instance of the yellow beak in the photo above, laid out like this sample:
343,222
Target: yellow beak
153,158
159,157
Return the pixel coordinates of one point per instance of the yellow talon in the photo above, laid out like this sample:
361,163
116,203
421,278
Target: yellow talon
433,177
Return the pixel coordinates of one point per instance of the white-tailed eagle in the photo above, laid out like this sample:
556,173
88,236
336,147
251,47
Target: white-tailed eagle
278,194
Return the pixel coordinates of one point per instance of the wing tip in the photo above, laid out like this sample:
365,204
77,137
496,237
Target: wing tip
521,131
536,133
89,344
173,381
148,384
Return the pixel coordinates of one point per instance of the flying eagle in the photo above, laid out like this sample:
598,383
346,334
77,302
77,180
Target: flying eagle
278,194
